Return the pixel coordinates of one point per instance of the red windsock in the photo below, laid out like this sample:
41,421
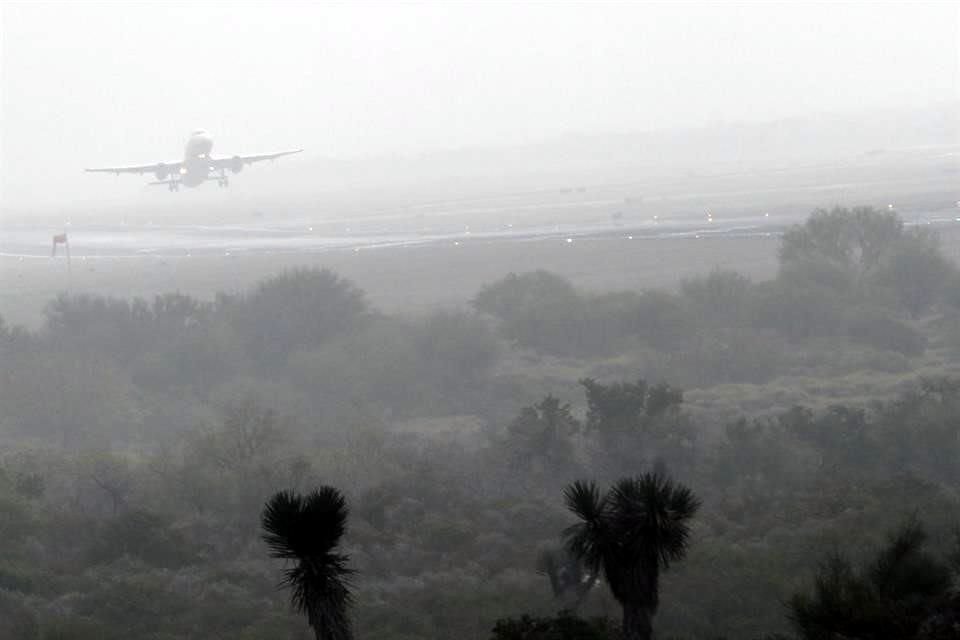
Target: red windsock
60,238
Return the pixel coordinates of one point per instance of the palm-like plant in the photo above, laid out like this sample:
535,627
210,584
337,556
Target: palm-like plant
631,534
306,529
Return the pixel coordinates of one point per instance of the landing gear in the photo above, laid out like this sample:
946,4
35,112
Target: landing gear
223,182
173,185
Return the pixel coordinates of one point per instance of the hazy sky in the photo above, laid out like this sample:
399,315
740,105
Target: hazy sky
88,84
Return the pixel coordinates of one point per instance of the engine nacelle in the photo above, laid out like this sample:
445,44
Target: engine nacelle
236,164
162,172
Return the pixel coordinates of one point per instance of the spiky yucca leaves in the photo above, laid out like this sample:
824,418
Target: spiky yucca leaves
638,528
306,529
890,597
652,516
591,539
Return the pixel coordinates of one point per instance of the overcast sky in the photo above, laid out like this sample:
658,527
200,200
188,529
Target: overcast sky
88,84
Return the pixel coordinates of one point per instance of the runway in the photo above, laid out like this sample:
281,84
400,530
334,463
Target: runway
172,241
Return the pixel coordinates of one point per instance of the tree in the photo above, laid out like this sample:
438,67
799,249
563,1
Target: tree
540,310
719,299
112,475
626,406
299,309
858,239
306,529
543,433
568,580
917,272
631,534
891,597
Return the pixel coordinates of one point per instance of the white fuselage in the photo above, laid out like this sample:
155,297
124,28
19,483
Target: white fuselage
196,159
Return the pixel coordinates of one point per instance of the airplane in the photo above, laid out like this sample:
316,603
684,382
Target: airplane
197,166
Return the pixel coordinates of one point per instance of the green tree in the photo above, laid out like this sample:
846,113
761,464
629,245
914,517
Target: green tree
569,582
631,534
306,529
542,433
295,310
627,406
858,239
540,310
890,597
917,272
721,298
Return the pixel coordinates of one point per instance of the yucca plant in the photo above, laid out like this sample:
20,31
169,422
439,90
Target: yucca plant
305,530
631,534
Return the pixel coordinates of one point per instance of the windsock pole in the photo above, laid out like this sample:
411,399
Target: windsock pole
61,238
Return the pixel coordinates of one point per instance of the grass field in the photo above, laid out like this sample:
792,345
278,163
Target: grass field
403,279
398,279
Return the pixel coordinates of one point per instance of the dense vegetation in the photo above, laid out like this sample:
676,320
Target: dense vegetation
141,440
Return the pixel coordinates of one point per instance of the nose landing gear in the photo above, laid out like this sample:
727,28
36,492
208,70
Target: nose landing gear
223,182
173,185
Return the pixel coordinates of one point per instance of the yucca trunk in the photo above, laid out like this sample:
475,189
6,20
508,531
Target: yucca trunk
637,622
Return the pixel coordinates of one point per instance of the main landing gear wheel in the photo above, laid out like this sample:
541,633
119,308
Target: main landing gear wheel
223,182
173,186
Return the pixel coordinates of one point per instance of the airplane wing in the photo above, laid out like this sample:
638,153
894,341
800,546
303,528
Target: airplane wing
160,167
238,161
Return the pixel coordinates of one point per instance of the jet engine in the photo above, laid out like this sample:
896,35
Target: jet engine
162,172
236,164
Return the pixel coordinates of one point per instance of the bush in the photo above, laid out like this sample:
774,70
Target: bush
878,329
296,310
564,626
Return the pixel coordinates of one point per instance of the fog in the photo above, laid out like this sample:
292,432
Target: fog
100,84
608,321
